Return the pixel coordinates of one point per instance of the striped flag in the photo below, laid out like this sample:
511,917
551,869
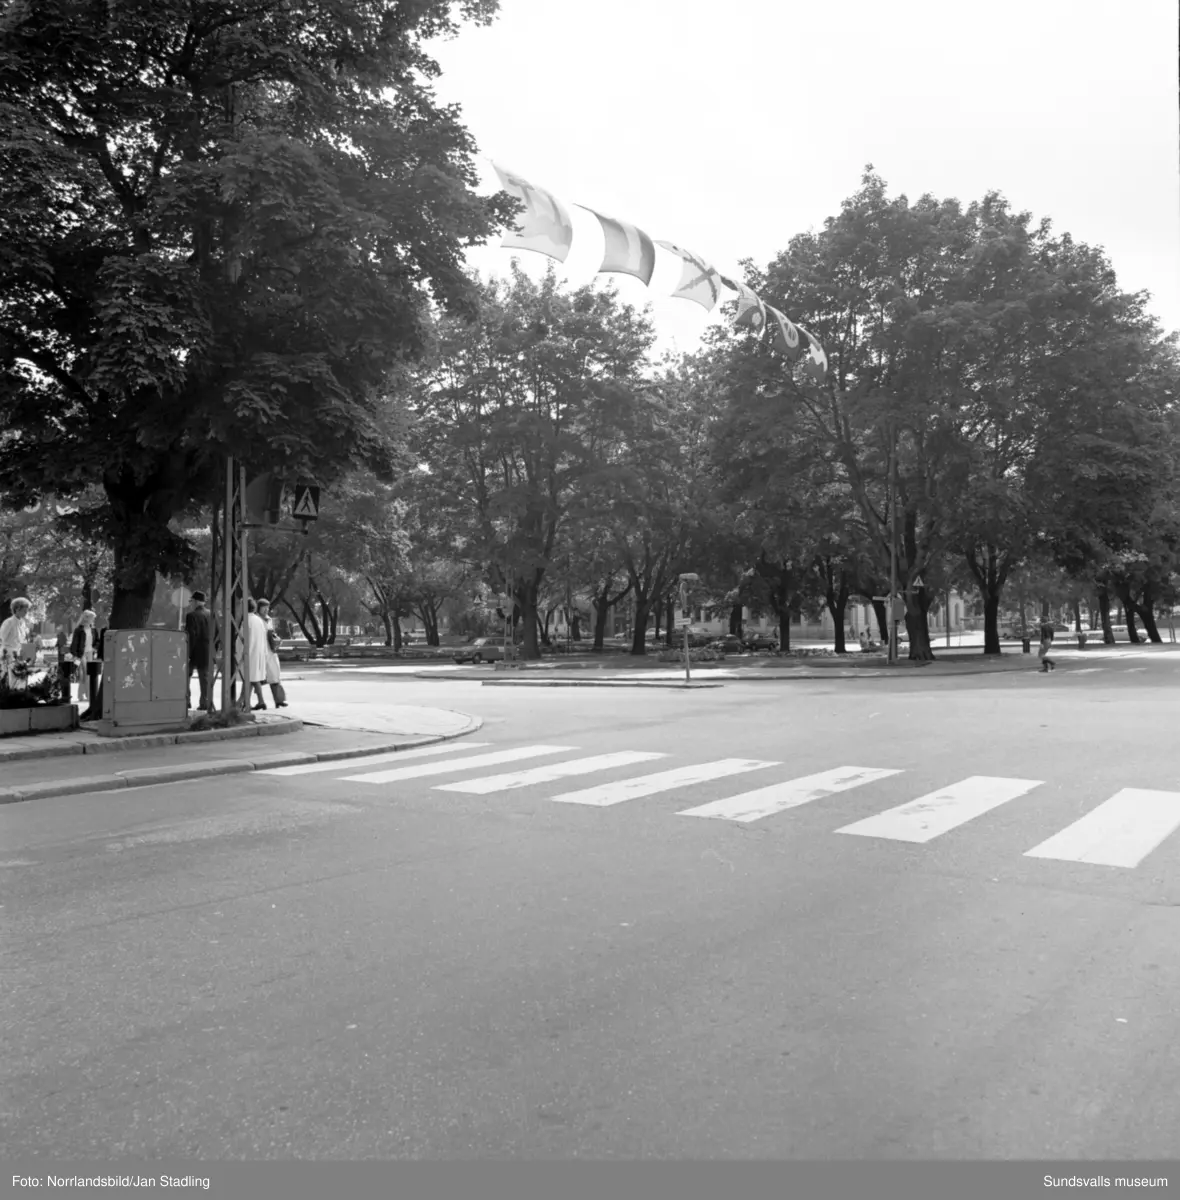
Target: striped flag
546,226
786,335
629,250
817,361
751,311
698,281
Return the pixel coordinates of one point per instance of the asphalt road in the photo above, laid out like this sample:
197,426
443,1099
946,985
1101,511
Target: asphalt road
448,965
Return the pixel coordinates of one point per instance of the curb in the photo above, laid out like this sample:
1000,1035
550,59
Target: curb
603,683
149,776
147,741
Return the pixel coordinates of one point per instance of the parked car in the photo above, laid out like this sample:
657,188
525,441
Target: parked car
481,650
761,641
729,643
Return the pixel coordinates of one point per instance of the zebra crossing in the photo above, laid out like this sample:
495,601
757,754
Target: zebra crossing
1120,832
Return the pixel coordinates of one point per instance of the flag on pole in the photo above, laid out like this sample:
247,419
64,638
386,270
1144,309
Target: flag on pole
698,281
786,335
546,226
751,311
629,250
817,361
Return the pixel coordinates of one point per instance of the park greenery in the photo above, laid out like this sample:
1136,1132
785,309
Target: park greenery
240,229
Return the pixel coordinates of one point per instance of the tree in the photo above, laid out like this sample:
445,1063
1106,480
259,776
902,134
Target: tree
960,342
513,411
222,226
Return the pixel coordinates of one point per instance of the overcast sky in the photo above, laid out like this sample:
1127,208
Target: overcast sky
727,128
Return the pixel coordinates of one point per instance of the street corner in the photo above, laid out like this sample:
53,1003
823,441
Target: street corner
394,720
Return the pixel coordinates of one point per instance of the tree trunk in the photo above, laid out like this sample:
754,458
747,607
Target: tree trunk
882,616
388,624
1104,613
782,613
735,620
1077,616
991,624
836,598
657,612
600,610
990,576
575,626
526,599
918,626
135,587
639,633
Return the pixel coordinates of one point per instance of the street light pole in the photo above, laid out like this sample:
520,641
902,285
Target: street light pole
892,540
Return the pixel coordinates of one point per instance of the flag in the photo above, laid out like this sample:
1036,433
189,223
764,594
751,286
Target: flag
546,226
751,311
786,336
628,249
817,361
698,281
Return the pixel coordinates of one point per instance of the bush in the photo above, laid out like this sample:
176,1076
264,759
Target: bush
46,690
701,655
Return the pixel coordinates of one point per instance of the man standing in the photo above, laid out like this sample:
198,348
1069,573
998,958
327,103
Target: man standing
198,626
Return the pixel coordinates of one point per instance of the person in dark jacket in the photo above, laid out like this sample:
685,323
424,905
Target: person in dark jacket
198,626
86,653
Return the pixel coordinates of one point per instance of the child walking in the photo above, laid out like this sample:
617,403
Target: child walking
1047,664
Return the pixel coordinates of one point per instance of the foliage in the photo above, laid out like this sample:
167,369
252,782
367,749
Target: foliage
514,411
222,228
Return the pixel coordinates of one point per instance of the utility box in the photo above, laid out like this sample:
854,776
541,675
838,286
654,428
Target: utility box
144,677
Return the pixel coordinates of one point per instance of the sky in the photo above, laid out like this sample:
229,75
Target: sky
728,128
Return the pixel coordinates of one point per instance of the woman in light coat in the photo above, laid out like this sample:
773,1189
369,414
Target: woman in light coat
256,658
274,675
14,633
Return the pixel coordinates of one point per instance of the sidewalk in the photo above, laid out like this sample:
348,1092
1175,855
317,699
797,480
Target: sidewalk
653,673
324,733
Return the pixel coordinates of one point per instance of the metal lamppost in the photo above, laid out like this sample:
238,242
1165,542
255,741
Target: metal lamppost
892,541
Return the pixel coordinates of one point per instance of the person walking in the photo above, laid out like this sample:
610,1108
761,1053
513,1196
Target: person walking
274,675
65,665
198,628
1047,664
256,664
14,637
84,652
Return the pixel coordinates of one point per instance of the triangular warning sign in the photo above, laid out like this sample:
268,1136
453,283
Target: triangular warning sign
306,503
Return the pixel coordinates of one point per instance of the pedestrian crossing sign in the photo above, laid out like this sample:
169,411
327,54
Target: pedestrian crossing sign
307,502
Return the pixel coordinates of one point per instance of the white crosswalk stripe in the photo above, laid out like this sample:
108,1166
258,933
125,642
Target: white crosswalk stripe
480,760
937,813
371,760
607,794
778,797
1087,670
546,774
1120,832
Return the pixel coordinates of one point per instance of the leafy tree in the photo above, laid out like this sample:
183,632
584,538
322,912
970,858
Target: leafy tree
222,227
513,412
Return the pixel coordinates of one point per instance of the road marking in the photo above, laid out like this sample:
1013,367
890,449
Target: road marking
371,760
1132,670
764,802
480,760
937,813
1120,832
607,794
577,766
1086,670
